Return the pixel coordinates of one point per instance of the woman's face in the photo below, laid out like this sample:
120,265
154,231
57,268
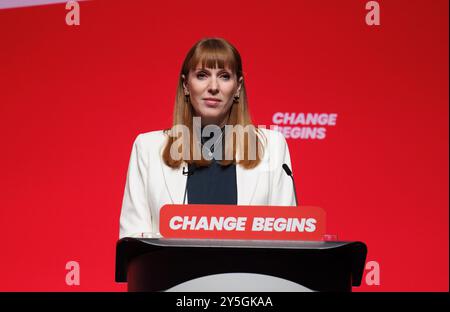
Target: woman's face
211,92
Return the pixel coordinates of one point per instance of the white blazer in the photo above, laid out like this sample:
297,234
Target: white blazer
152,184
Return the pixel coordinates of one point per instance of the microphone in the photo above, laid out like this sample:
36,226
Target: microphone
289,173
187,173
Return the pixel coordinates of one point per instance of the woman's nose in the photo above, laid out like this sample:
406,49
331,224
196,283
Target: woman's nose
213,85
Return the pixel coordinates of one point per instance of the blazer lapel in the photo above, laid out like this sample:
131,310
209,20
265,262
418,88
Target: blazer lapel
246,180
175,182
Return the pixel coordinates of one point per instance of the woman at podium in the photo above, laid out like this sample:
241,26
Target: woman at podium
213,154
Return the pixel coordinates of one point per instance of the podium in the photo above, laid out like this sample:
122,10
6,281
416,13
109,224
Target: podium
158,264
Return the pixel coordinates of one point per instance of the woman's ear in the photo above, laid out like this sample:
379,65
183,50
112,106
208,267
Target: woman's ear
240,81
184,82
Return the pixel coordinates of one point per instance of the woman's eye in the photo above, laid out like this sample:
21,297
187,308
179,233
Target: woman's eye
203,75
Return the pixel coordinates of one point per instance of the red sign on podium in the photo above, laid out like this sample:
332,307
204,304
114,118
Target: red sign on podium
242,222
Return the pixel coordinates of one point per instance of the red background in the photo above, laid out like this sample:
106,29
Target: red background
73,99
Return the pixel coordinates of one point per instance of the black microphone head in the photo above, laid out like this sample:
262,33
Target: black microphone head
190,170
287,169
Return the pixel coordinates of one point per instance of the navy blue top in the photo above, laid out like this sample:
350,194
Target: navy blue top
215,184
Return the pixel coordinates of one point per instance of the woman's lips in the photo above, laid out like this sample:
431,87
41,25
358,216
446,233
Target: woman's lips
211,103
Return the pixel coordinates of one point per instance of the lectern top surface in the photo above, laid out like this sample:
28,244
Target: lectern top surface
229,243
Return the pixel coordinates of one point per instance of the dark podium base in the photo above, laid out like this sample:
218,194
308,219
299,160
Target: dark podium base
160,264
